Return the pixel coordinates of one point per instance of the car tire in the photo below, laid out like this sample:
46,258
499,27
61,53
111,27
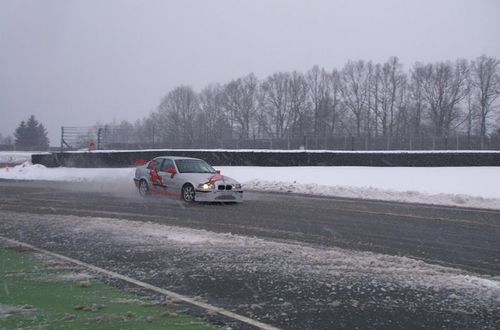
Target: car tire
143,188
188,193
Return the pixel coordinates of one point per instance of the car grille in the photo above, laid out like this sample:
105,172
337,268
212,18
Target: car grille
226,198
224,187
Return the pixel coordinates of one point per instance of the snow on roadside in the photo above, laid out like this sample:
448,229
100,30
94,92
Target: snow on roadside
28,171
455,186
16,157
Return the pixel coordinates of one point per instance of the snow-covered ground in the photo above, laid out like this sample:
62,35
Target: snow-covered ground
27,311
438,287
28,171
15,157
456,186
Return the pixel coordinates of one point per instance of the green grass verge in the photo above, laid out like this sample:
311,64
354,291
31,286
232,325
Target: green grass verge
34,295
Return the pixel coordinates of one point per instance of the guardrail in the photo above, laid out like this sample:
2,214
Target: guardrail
103,158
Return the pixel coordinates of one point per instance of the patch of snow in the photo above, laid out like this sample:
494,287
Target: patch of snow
7,311
16,157
294,257
330,266
375,194
28,171
69,277
456,186
126,301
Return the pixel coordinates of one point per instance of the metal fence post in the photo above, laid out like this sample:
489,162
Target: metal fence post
62,138
99,138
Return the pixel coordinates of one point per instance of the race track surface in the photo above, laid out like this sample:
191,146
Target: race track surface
292,261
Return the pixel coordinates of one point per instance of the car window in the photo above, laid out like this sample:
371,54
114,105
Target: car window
166,164
193,166
156,161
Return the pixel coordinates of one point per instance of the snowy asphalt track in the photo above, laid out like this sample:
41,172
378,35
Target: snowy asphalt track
167,293
291,261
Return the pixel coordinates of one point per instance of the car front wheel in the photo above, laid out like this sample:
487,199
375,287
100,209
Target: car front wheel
188,193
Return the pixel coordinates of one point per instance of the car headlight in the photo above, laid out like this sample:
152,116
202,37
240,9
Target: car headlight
206,186
237,186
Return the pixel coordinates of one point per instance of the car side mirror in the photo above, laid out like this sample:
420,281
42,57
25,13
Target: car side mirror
171,171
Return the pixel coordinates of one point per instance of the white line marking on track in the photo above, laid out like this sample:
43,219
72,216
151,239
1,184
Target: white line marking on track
144,285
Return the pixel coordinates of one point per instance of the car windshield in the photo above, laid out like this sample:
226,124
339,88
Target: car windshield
193,166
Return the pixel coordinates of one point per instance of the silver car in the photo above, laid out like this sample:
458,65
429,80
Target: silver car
190,179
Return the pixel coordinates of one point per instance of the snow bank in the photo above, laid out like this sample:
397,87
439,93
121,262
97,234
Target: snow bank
456,186
28,171
15,157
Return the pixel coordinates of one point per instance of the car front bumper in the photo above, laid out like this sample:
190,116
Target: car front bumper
219,196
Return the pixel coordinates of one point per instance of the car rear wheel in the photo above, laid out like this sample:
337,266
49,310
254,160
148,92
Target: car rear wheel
143,188
188,193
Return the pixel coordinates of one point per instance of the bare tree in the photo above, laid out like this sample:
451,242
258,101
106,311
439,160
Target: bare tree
298,105
240,103
145,131
212,120
354,82
486,80
363,100
417,101
333,108
120,133
392,79
313,78
402,122
318,81
177,113
374,91
444,88
275,103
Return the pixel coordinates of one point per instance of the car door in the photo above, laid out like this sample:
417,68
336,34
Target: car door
167,179
153,166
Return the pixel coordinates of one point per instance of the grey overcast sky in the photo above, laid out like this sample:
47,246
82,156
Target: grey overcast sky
74,62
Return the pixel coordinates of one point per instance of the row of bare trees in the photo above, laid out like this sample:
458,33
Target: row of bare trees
362,99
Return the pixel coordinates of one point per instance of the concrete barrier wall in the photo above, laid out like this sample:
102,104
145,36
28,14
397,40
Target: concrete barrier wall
274,158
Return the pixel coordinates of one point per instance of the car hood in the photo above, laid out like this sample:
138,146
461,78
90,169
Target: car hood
197,178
